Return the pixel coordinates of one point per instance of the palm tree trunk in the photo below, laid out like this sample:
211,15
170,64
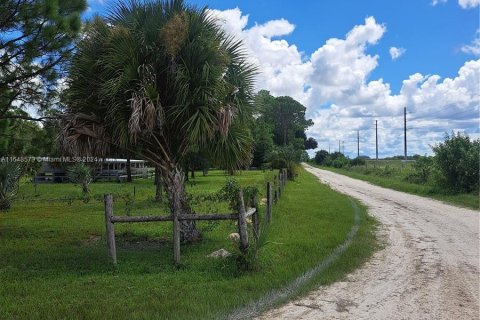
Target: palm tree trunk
158,184
85,188
178,203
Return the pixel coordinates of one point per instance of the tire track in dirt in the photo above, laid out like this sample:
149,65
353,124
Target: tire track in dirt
277,296
429,268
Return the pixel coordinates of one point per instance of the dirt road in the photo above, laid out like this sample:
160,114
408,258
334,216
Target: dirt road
429,268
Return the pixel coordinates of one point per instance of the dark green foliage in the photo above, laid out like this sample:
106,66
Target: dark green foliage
286,157
82,174
357,162
196,161
263,142
457,159
26,138
311,143
230,192
320,157
288,117
340,162
336,160
36,39
10,173
422,170
251,260
278,129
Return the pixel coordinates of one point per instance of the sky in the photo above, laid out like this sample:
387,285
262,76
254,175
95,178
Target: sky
352,63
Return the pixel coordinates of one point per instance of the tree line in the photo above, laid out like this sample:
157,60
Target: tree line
453,168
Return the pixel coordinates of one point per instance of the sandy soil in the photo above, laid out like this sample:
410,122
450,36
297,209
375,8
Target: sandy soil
428,269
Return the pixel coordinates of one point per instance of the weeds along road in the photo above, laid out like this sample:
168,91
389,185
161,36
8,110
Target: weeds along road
427,269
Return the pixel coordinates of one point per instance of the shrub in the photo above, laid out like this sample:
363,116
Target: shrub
278,163
320,157
422,170
10,173
80,173
387,171
340,162
457,160
286,157
357,162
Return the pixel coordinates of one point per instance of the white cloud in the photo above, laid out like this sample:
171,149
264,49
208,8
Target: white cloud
282,69
333,83
396,53
231,20
474,46
467,4
435,2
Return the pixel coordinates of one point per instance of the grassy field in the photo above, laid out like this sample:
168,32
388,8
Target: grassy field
392,173
54,263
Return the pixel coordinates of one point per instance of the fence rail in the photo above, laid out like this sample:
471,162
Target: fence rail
241,217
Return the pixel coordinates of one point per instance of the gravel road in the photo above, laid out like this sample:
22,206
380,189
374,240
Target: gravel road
428,269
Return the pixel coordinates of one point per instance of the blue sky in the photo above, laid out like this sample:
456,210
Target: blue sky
336,58
433,35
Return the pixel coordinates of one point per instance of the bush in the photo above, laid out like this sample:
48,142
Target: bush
286,157
357,162
457,160
422,170
320,157
80,173
278,163
10,173
340,162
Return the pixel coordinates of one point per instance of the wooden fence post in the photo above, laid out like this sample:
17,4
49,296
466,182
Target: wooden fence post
242,224
176,238
112,251
280,175
255,218
268,216
279,184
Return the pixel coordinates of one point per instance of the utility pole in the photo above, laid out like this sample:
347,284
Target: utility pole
405,131
358,143
339,150
329,148
376,139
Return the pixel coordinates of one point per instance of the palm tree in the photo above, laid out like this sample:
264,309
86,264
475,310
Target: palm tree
80,173
160,77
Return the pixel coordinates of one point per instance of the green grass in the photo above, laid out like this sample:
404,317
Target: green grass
391,174
54,262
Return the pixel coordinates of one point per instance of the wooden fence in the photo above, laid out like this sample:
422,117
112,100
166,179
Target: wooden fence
241,217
